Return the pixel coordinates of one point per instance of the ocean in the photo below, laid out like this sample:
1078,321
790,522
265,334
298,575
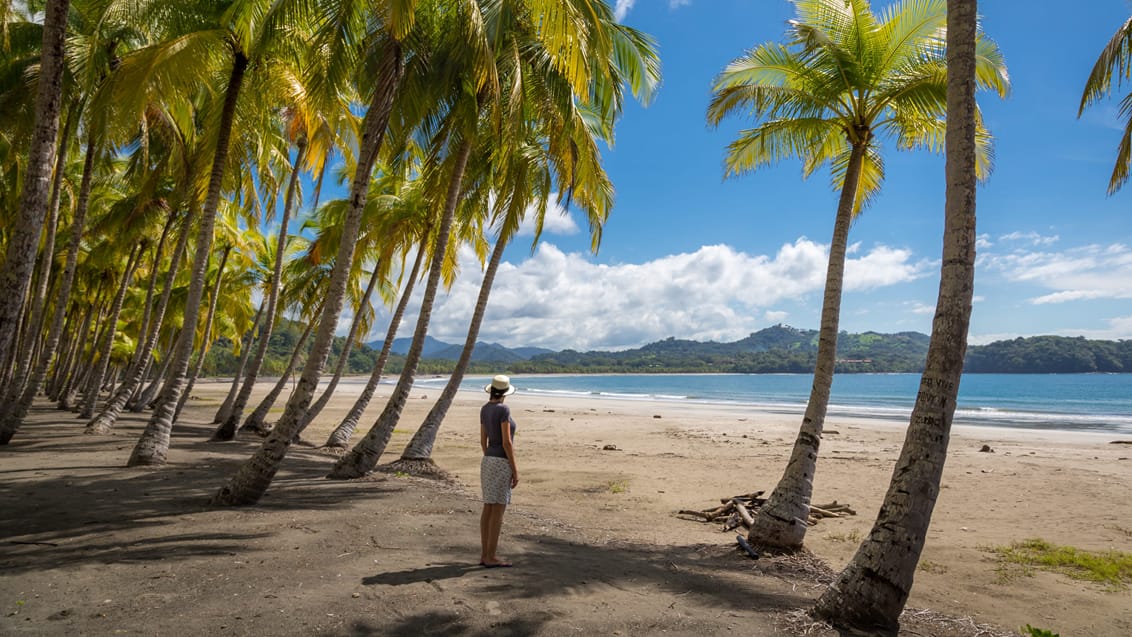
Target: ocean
1068,402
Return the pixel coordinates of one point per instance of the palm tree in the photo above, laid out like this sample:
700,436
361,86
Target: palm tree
23,240
252,479
870,593
1115,59
232,30
594,35
524,176
847,79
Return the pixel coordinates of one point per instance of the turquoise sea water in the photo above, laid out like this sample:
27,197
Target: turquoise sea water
1072,402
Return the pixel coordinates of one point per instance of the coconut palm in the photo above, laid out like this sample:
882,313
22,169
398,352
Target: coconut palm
870,593
23,240
525,174
395,21
1113,68
591,34
232,29
847,79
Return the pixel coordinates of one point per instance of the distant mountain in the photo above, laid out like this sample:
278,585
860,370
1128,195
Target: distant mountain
484,352
785,349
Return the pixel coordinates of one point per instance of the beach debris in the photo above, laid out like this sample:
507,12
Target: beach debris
740,510
1121,442
610,448
746,546
986,449
656,415
831,432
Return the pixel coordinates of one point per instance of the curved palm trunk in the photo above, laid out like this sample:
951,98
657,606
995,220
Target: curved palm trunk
255,475
149,394
781,522
153,446
245,351
15,414
364,456
62,371
33,333
207,340
150,289
74,376
870,593
420,447
227,428
99,376
255,420
135,375
343,357
23,240
340,437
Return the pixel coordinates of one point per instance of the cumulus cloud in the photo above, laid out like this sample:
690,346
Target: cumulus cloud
557,221
1032,238
622,9
564,300
1076,274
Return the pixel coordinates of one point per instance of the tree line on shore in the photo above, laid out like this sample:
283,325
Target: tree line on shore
774,350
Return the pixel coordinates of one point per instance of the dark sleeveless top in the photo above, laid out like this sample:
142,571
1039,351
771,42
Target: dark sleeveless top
492,415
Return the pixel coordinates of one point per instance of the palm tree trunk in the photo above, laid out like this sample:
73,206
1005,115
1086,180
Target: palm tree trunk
420,447
74,349
151,288
207,340
870,593
111,328
245,350
781,522
364,456
24,363
104,422
227,428
343,356
255,420
87,335
149,394
23,241
255,475
153,446
340,437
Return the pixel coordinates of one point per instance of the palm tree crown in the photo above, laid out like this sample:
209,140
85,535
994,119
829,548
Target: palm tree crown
1114,63
846,78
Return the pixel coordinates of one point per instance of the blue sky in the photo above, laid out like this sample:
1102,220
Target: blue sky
689,255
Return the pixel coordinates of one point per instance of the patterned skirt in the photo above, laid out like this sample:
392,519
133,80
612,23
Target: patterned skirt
495,480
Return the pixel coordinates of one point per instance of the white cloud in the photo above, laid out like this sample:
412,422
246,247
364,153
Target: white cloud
983,242
557,221
560,300
921,308
1033,238
622,9
1084,273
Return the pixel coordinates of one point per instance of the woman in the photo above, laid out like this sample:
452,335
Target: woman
498,473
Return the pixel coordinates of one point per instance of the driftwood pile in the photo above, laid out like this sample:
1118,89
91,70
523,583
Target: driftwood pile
740,510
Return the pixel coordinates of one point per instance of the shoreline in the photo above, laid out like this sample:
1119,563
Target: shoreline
593,526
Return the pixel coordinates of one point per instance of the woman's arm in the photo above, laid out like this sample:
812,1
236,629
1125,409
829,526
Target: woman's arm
483,438
505,429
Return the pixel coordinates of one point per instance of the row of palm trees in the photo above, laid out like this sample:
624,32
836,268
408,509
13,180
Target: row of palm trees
452,120
198,122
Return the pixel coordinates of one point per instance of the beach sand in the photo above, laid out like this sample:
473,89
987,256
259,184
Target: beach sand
89,547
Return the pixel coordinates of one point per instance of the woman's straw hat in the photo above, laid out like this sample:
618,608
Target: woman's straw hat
500,383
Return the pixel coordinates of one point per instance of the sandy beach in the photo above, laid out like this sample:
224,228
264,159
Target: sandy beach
89,547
